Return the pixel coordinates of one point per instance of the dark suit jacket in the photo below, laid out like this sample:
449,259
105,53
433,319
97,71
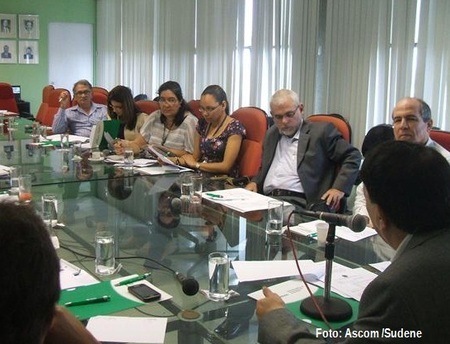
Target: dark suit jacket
411,294
321,149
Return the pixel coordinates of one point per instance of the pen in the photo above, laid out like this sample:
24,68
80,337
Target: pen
104,298
134,279
213,195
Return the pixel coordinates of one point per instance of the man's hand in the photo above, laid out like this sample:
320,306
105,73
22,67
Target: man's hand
333,197
67,329
252,187
64,99
271,302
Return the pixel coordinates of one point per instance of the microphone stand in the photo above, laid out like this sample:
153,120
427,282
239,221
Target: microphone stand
333,308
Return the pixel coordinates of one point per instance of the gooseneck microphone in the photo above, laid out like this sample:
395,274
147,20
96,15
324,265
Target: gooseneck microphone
356,222
189,285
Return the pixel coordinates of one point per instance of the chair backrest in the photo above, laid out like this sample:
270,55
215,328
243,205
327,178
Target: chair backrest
46,90
53,106
339,122
7,99
255,123
102,90
147,106
442,137
194,105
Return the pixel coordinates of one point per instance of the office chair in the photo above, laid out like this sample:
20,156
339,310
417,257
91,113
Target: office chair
194,105
44,104
147,106
53,106
255,123
339,122
442,137
7,99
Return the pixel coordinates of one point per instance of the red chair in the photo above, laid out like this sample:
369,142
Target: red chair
194,105
147,106
44,105
442,137
100,95
339,122
53,106
7,100
255,123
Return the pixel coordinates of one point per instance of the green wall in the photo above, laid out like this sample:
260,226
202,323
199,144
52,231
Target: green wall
33,78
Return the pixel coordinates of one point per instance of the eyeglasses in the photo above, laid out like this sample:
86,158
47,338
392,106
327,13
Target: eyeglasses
170,101
207,109
82,93
289,114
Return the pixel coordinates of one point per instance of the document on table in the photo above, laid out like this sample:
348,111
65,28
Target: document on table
239,199
71,276
4,170
381,266
165,169
260,270
309,228
128,329
290,291
348,282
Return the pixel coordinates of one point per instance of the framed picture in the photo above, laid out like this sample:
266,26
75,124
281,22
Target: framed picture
28,52
8,51
8,26
28,26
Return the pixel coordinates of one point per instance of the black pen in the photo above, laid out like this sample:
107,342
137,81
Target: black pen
91,300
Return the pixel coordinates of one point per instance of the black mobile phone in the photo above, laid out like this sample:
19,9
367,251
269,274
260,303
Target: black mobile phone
144,292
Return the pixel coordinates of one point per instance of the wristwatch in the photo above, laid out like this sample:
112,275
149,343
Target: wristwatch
197,165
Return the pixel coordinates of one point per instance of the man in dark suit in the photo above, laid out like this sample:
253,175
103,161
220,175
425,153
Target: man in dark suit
407,187
304,162
6,54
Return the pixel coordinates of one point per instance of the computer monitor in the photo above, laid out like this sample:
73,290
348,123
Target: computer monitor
16,90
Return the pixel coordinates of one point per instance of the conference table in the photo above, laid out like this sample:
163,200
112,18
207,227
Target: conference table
94,196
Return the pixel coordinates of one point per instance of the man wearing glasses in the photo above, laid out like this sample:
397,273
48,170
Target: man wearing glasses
304,162
79,119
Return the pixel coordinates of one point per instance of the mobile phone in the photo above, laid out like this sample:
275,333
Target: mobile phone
144,292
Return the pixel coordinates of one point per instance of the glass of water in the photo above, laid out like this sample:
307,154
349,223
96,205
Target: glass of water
128,158
50,209
274,224
104,253
219,276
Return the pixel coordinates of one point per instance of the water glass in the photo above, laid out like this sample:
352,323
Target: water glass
50,209
186,191
322,232
128,158
104,253
25,188
274,224
219,276
197,188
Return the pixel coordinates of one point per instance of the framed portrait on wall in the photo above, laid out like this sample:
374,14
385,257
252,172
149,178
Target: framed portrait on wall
8,26
28,26
8,51
28,52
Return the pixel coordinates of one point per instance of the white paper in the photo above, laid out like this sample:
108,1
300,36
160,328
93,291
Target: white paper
4,170
158,170
128,329
71,276
123,289
290,291
381,266
260,270
72,138
239,199
161,156
309,228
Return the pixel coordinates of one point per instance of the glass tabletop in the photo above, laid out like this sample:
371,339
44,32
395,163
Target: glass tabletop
155,233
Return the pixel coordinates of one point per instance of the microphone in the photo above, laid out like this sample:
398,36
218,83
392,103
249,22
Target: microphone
189,284
356,222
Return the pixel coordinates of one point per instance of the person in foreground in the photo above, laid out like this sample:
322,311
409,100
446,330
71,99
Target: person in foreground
407,187
29,287
79,119
411,122
301,158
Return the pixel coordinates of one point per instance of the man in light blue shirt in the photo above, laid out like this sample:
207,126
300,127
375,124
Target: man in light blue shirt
79,119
